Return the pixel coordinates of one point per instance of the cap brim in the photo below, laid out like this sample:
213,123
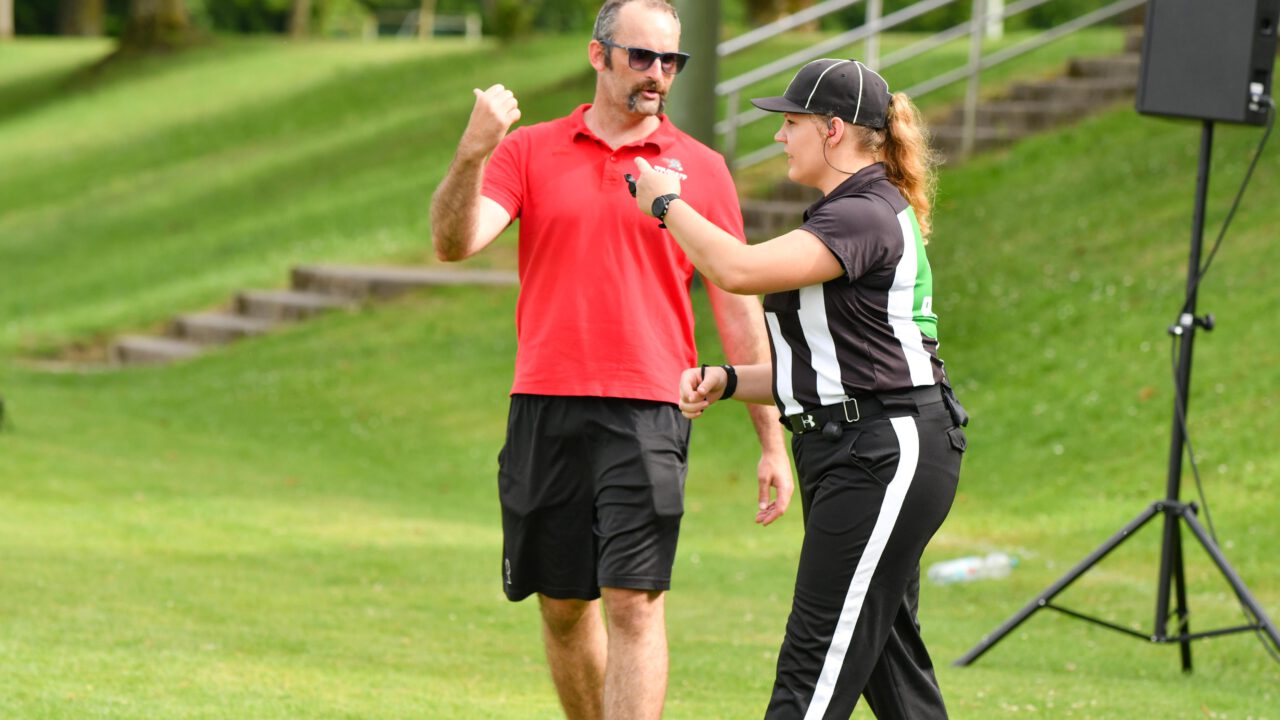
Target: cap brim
780,104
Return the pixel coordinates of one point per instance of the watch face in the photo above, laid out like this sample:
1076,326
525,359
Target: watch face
660,205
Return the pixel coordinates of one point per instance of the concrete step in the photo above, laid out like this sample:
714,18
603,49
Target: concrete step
795,192
317,289
1089,92
1020,117
947,139
148,350
1133,39
765,219
384,282
217,327
1113,66
288,305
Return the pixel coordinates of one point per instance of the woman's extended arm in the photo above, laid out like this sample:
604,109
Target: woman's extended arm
794,260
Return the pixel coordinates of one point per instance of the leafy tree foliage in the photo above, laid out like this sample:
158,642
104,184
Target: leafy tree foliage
247,16
506,18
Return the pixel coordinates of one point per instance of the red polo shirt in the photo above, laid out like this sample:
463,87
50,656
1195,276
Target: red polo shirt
604,306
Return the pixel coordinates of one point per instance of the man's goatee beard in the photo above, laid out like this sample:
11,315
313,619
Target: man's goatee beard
633,103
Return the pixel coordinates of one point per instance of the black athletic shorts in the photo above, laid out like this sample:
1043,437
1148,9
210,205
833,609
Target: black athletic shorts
592,493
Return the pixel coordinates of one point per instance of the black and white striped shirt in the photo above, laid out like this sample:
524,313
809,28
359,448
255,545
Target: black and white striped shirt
871,330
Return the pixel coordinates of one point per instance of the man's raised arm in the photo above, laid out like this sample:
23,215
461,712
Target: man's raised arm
463,222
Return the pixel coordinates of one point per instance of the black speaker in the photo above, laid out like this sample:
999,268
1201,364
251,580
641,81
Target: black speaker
1208,59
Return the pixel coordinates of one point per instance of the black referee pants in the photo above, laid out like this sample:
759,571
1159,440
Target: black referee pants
872,499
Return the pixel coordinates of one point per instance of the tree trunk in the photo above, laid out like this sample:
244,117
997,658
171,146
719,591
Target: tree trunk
156,25
300,19
6,19
760,12
795,6
80,17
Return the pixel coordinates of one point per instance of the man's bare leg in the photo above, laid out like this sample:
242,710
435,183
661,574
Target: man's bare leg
635,684
575,638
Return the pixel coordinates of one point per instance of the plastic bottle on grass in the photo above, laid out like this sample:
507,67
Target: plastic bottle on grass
975,567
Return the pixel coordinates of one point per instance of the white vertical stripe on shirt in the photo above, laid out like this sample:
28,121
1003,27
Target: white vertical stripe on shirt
783,367
822,345
902,301
890,508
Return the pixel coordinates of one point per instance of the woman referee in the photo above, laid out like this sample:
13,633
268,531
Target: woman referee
856,374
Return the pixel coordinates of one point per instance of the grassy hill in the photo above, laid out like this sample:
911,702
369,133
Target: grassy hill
165,186
143,190
304,526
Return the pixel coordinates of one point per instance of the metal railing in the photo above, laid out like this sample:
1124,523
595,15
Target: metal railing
986,16
415,23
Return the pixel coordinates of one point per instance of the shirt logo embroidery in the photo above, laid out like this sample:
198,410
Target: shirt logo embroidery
674,167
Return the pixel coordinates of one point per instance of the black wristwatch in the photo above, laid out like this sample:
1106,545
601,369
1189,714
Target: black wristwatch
661,205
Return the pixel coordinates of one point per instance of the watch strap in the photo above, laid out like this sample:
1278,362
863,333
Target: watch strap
662,205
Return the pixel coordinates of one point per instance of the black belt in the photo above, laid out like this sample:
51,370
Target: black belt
861,408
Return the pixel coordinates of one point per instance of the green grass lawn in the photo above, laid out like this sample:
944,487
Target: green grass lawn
306,526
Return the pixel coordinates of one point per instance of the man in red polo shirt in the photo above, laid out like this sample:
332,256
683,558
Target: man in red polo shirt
591,478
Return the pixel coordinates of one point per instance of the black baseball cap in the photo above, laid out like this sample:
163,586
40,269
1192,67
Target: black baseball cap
844,88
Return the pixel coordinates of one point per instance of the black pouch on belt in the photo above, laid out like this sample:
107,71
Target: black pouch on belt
958,415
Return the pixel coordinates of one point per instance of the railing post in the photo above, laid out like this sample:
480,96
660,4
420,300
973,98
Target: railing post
427,20
731,134
875,10
977,26
995,19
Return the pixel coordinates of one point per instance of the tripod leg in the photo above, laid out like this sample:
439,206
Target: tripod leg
1242,592
1172,569
1043,598
1180,586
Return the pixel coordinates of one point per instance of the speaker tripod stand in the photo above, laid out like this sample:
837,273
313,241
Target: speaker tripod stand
1171,507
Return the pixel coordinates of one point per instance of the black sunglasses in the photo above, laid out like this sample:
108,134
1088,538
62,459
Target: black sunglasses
641,59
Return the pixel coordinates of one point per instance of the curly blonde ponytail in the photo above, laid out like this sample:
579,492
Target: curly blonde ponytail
909,162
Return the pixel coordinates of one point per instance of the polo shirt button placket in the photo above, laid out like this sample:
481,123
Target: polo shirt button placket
611,174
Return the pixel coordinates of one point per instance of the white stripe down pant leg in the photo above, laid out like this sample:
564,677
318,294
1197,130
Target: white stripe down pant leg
872,499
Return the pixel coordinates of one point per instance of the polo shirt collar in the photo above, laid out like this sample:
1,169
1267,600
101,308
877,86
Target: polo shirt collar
662,138
852,185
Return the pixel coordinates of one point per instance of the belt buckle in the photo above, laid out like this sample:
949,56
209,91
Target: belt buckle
857,413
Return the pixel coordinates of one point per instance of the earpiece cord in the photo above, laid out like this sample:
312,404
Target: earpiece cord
830,131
